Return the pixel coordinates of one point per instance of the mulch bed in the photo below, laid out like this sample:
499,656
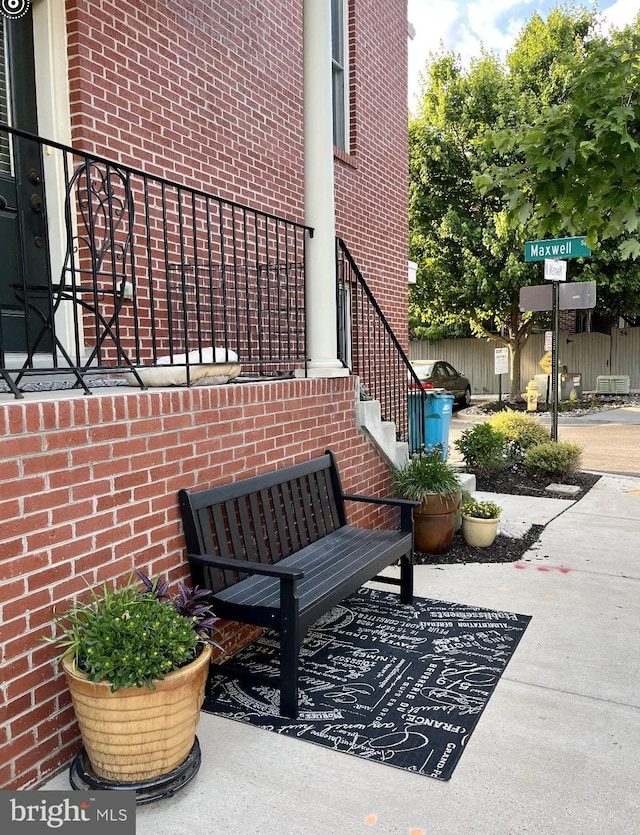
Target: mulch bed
517,482
505,549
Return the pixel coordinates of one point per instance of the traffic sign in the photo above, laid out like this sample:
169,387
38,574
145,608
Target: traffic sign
545,363
501,360
555,269
576,295
558,248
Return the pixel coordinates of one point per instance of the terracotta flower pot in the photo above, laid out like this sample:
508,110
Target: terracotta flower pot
480,533
434,523
136,733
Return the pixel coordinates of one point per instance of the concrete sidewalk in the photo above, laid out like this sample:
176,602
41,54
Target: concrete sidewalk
556,752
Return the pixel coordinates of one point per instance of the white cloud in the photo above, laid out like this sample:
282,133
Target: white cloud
464,26
621,13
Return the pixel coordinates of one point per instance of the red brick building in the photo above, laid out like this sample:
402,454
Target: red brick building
223,98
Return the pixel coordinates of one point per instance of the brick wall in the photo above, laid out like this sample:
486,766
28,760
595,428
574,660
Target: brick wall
88,488
206,93
372,178
211,95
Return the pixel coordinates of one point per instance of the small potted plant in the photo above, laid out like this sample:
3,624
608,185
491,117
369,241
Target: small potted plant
136,661
479,522
426,478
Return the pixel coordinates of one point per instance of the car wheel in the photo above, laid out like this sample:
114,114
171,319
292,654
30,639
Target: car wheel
466,398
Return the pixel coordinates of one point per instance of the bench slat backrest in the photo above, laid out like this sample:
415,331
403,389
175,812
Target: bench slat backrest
262,519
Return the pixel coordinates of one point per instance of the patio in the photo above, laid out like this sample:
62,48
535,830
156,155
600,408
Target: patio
556,751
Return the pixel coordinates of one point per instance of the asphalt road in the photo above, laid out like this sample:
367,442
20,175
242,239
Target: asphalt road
610,439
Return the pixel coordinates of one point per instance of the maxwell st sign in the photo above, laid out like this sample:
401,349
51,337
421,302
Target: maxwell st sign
559,248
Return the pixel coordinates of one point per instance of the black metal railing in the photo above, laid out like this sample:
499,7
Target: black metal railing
368,347
113,271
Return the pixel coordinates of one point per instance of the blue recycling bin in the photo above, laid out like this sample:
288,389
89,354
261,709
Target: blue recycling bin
438,408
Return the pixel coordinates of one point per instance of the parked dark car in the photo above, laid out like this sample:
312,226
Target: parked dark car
437,374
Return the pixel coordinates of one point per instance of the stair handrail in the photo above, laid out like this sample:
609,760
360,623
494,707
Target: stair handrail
395,395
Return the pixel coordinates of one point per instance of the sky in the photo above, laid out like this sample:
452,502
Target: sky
464,25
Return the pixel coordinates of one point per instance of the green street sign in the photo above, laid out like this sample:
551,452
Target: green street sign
560,248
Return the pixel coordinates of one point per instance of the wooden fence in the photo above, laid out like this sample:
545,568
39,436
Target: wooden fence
587,354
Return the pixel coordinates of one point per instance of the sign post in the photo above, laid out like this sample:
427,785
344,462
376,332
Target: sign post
554,362
501,366
555,254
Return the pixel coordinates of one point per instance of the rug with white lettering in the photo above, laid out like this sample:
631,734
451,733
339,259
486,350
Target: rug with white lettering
401,685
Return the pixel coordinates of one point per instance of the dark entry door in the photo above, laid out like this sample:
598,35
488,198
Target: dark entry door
22,237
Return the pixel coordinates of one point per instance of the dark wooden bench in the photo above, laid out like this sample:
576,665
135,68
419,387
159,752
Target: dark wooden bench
276,551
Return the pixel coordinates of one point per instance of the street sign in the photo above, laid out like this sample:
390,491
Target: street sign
577,295
548,340
559,248
536,298
501,360
545,363
555,269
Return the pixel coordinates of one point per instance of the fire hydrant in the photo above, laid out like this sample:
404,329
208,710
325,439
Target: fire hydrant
531,396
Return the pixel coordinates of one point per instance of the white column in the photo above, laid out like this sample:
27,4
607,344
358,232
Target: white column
319,206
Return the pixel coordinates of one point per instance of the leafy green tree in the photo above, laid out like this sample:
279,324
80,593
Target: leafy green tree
470,268
474,194
577,166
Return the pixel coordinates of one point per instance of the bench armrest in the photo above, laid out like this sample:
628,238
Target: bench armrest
406,506
377,500
245,567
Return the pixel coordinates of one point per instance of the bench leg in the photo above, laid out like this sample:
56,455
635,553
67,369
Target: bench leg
406,578
289,649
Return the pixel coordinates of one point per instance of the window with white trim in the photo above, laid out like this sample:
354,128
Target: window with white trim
340,73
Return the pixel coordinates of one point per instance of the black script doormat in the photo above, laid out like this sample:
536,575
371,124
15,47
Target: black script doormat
401,685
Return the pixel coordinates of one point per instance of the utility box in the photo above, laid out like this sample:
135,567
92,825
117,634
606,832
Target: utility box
568,382
613,384
574,384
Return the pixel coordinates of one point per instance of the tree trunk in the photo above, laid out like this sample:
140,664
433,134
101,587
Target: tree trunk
515,353
518,333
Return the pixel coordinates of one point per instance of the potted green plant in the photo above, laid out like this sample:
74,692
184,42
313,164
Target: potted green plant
426,478
479,522
136,661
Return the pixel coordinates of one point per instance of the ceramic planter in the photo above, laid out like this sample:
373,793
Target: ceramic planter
480,533
136,733
434,523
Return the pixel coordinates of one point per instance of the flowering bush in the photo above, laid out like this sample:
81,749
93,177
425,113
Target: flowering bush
133,637
480,510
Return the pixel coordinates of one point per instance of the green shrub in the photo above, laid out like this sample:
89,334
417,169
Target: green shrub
483,448
524,430
553,459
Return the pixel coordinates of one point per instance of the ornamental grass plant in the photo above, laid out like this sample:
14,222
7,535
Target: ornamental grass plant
135,635
423,474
